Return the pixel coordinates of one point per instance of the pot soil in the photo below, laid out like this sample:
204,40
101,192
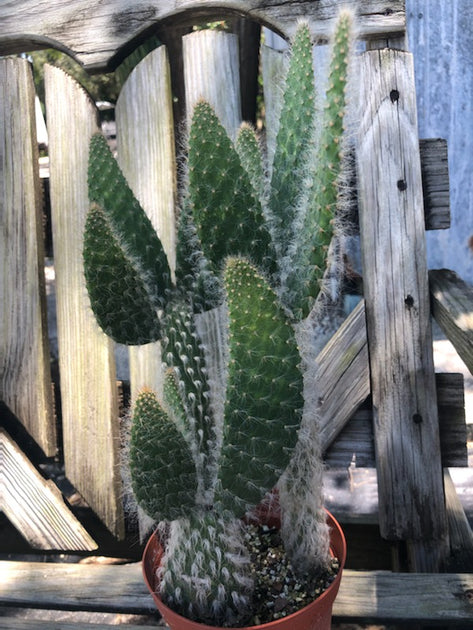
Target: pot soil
315,616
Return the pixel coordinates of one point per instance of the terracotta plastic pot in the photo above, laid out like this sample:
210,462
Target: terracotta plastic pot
316,616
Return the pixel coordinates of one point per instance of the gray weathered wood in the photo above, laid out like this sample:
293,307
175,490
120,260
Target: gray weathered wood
364,596
212,72
343,379
355,442
35,506
435,183
461,535
146,154
412,504
452,307
95,35
25,378
88,384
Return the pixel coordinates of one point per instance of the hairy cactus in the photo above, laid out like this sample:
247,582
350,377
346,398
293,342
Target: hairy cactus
236,410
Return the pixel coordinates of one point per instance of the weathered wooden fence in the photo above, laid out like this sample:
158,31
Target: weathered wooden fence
381,399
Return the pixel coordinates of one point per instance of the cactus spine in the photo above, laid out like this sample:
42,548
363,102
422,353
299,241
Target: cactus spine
251,256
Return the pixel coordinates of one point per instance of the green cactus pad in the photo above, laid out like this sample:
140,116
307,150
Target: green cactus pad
206,571
226,209
118,296
310,257
183,353
193,270
293,140
264,399
109,189
162,468
249,150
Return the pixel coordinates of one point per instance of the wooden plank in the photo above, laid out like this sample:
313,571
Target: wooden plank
452,307
88,587
25,378
355,442
94,35
146,154
35,506
343,379
400,598
435,183
88,385
412,504
364,596
212,72
452,420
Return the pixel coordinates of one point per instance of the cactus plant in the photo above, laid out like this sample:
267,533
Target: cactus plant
237,414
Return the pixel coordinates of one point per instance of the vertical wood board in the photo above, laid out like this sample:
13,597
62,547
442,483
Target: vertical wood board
397,301
146,155
88,385
211,72
25,378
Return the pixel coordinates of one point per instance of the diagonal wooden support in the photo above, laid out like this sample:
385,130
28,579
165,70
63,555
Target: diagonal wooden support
343,377
452,307
410,478
35,506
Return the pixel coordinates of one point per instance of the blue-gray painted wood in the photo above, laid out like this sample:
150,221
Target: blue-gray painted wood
441,38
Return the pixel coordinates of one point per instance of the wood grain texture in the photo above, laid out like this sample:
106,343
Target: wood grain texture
452,307
435,183
25,378
35,506
412,504
355,442
461,535
95,34
87,368
343,378
146,155
364,596
212,72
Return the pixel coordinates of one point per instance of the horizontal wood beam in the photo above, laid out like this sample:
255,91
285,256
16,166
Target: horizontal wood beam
365,596
95,35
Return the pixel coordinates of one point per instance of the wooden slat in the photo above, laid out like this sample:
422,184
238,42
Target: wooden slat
435,183
35,506
452,420
94,36
452,307
397,305
365,596
88,385
211,72
146,154
25,378
343,379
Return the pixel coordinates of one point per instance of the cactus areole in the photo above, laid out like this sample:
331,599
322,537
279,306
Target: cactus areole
236,414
